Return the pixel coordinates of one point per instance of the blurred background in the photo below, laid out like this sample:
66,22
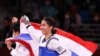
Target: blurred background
80,17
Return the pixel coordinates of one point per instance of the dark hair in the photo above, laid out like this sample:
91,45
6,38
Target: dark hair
16,27
51,22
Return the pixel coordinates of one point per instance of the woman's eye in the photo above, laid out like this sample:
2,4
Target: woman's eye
43,25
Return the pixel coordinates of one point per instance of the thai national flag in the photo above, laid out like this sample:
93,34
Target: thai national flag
77,46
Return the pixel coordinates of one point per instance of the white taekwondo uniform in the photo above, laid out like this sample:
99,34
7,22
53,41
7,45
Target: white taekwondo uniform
53,45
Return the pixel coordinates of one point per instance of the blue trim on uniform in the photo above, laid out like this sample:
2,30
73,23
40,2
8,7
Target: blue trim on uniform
24,37
73,54
44,51
44,40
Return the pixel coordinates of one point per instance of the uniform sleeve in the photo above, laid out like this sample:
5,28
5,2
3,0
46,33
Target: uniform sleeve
22,51
57,46
13,52
34,32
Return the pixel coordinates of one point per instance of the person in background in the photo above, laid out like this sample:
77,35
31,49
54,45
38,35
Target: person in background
47,9
14,19
19,50
6,31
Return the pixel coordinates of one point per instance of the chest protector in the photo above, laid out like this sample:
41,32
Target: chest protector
43,49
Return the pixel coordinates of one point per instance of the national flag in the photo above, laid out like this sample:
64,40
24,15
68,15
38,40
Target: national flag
75,44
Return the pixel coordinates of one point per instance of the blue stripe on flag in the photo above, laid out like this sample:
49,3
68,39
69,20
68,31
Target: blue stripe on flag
24,37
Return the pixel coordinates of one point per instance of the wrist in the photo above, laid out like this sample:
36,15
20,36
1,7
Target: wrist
10,49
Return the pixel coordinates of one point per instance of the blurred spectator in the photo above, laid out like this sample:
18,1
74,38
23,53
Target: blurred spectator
48,10
68,25
0,33
37,16
69,2
84,12
61,6
72,17
14,19
75,16
6,31
95,19
92,6
67,21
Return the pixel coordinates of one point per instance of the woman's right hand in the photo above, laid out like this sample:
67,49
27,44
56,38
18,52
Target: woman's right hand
25,20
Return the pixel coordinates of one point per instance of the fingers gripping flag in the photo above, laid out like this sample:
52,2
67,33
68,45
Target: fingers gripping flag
73,42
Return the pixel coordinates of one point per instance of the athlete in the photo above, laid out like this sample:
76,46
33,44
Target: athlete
49,44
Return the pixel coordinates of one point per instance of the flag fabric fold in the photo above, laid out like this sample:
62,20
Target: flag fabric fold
24,39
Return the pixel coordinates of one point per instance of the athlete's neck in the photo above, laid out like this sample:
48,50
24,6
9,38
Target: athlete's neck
48,36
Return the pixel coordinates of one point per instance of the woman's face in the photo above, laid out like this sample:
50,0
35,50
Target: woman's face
14,19
45,28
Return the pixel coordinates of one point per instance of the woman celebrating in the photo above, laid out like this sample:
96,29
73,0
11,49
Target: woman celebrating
49,44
